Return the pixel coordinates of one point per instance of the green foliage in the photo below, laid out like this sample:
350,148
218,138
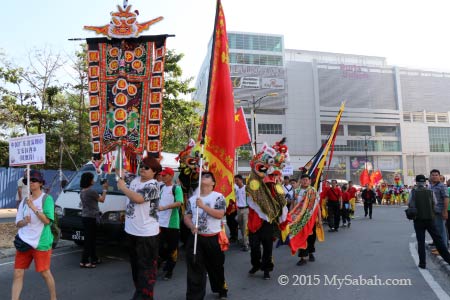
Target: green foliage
181,119
32,101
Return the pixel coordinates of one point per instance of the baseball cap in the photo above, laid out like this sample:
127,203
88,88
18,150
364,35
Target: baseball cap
167,171
421,178
35,174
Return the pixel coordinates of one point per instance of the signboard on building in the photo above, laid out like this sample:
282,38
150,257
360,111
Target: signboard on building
245,82
272,83
27,150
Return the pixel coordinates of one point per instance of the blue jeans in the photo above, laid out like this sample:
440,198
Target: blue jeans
440,226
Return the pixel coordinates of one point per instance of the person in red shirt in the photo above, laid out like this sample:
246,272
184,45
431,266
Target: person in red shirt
352,194
345,211
334,204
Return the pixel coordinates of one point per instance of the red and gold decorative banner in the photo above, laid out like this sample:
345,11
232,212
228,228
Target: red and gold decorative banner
126,78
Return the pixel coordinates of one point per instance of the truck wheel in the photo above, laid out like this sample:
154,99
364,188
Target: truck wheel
79,243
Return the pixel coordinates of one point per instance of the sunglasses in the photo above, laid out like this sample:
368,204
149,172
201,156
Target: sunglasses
142,166
207,175
25,181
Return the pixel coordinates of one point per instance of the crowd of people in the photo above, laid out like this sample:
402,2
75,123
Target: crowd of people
156,208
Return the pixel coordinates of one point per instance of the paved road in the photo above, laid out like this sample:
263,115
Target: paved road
376,250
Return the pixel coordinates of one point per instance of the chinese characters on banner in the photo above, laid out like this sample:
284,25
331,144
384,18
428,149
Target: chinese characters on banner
27,150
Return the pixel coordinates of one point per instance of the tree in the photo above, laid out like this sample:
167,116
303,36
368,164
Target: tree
181,118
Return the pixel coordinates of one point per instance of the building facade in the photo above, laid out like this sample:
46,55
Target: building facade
395,119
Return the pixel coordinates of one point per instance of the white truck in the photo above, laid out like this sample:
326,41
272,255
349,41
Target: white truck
111,225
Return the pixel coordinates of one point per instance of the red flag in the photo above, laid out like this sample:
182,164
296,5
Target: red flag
364,178
375,177
242,135
219,112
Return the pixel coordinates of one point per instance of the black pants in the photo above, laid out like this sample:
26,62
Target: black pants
333,214
345,213
419,228
90,237
168,247
233,226
209,259
143,259
311,241
368,208
263,236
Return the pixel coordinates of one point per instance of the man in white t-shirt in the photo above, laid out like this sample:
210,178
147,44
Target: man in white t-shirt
170,202
141,225
22,189
242,209
210,207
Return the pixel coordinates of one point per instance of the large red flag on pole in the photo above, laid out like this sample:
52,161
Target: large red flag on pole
218,129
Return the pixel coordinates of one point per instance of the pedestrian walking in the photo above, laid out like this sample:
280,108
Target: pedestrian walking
441,209
209,258
369,198
424,200
34,238
90,212
141,225
169,222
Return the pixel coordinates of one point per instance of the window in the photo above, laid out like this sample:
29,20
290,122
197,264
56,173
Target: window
439,139
442,118
359,130
360,145
417,117
407,117
325,129
431,117
270,129
386,131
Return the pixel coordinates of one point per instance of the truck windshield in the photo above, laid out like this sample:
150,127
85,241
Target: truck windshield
74,184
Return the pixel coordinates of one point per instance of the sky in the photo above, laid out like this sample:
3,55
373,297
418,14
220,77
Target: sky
408,33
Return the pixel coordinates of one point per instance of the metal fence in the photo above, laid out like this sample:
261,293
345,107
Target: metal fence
10,176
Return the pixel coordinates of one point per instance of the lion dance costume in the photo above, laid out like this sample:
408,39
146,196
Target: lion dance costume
267,204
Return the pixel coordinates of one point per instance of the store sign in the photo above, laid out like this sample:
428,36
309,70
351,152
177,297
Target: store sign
27,150
245,82
272,83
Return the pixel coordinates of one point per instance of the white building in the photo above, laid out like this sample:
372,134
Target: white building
395,117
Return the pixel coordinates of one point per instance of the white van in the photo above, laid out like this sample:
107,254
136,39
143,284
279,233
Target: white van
111,225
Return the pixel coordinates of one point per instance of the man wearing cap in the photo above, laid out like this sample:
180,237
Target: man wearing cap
33,219
169,221
424,200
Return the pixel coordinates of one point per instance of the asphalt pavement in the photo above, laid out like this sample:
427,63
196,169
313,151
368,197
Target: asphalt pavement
373,259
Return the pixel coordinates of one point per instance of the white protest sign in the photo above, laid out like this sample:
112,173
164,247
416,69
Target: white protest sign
288,170
27,150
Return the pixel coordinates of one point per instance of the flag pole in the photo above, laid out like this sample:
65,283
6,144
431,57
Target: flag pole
205,119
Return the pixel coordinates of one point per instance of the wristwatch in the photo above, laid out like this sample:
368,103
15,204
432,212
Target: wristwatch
37,212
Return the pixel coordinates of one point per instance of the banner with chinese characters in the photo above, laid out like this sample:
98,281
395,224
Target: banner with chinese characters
125,93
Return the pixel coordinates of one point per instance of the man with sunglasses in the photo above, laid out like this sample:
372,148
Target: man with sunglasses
209,258
141,225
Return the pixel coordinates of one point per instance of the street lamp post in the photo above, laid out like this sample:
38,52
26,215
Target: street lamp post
252,105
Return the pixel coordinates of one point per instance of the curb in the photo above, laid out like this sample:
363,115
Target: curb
444,266
8,252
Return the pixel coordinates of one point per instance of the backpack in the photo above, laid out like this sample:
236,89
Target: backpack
54,228
423,202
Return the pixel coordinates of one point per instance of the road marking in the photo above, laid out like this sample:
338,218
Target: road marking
57,254
440,293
